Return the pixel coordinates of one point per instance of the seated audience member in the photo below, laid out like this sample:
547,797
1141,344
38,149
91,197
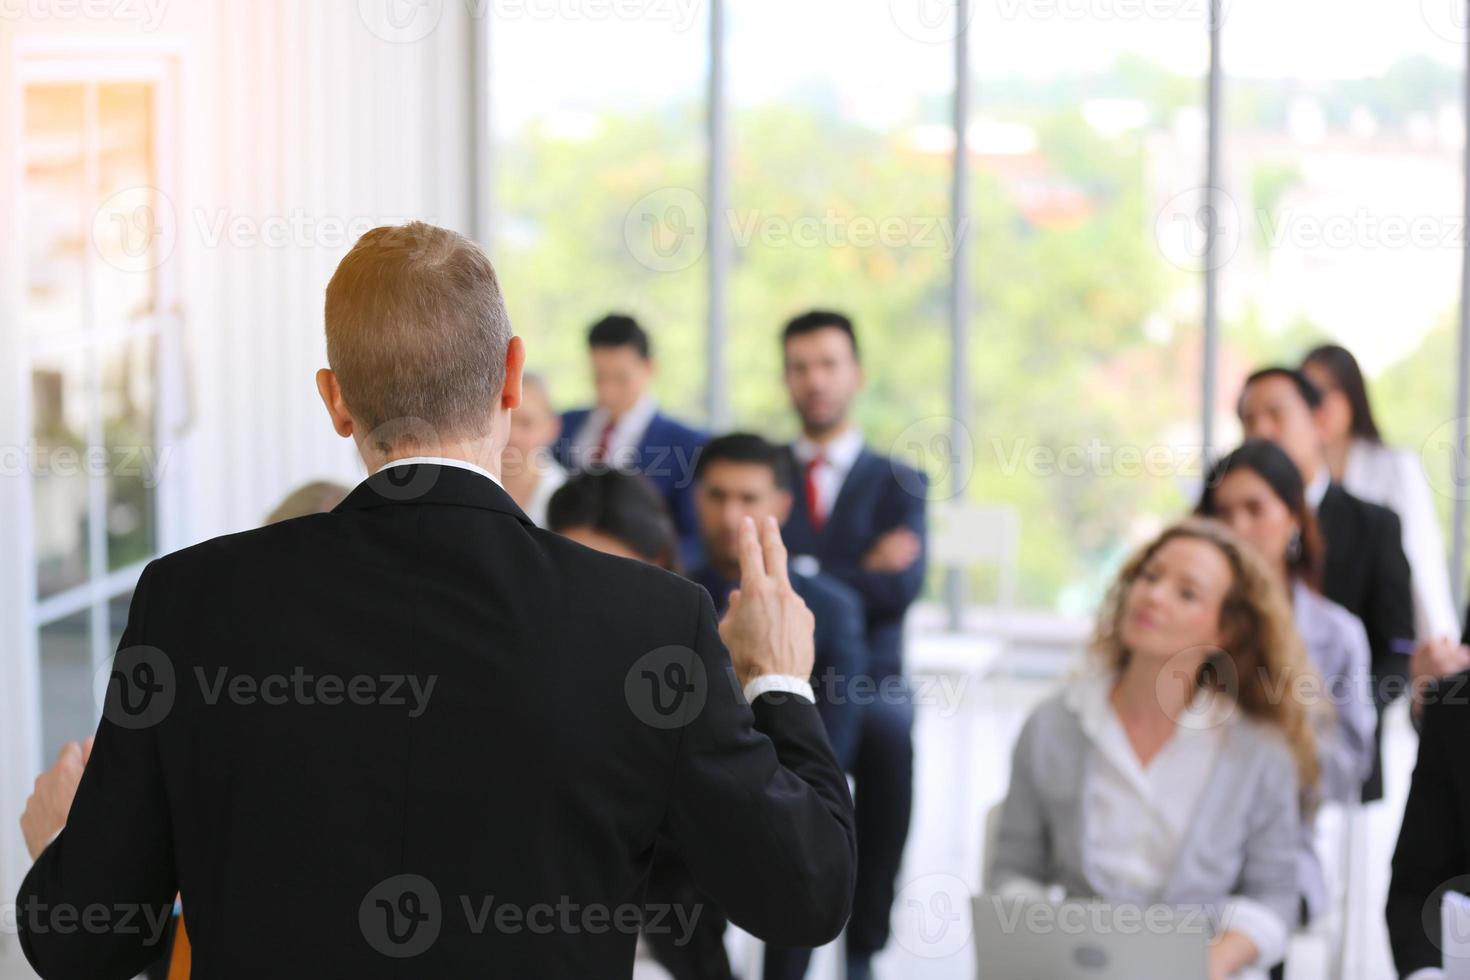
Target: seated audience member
1433,853
616,513
1384,475
625,429
1167,773
1363,568
740,475
1257,492
317,497
528,470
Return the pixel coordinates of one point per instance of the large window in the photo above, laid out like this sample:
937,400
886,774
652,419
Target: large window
97,230
840,174
1344,171
599,186
1086,136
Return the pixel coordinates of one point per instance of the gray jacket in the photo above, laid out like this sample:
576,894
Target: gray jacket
1243,842
1337,645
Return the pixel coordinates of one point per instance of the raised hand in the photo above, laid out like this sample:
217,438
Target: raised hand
768,629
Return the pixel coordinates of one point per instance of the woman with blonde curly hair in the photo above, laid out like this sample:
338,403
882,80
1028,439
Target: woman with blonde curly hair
1174,769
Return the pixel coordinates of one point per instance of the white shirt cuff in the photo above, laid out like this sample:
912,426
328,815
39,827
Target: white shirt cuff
1426,973
1263,926
787,683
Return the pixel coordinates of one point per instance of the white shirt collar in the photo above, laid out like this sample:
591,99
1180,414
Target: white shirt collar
1089,696
462,464
1317,489
840,453
633,422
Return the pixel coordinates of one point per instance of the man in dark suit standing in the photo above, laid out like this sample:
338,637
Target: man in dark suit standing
859,517
1365,569
740,476
419,735
625,428
1433,853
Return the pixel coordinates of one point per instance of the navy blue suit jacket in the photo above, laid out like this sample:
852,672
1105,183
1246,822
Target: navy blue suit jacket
878,495
841,653
667,452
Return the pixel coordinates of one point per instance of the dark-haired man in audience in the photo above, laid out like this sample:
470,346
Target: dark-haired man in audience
742,475
1365,569
858,516
626,430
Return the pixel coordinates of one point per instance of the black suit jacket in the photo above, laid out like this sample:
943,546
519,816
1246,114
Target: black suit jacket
1433,852
1366,573
500,823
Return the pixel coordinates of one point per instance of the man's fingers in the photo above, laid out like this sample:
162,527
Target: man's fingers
774,551
752,564
70,752
87,749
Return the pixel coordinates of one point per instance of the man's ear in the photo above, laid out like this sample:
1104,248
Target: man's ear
782,510
515,363
331,392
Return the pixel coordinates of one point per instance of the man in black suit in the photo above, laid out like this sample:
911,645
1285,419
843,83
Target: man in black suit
1365,570
419,736
1433,853
859,517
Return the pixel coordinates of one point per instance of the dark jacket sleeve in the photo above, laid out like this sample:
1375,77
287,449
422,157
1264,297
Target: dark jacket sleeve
97,901
759,809
842,656
888,595
1390,614
1431,851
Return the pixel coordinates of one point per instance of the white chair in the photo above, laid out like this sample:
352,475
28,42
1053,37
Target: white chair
964,537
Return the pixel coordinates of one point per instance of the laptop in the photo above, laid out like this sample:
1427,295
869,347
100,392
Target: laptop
1018,939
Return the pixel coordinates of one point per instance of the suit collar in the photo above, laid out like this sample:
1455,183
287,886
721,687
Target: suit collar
431,483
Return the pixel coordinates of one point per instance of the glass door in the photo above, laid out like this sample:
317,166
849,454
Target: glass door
96,313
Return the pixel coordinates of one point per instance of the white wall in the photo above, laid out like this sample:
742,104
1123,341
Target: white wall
292,116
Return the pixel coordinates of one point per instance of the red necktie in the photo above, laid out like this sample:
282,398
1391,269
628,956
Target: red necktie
599,452
814,513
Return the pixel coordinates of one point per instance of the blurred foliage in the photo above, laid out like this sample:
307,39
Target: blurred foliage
1084,342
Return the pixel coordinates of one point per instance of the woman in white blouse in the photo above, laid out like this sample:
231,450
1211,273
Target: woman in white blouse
1170,772
1381,474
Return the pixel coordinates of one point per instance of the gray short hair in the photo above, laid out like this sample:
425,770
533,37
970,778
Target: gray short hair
417,333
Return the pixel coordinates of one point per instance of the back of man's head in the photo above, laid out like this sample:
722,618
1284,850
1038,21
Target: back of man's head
417,333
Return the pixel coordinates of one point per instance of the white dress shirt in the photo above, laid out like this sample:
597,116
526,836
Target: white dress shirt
838,456
754,688
1394,478
462,464
622,443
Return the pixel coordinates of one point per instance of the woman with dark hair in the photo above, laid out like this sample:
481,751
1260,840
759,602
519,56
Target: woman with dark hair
1367,468
1257,491
1170,773
617,513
